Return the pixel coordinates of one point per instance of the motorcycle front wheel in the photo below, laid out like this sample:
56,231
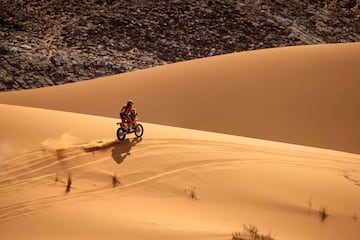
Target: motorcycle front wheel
139,130
121,134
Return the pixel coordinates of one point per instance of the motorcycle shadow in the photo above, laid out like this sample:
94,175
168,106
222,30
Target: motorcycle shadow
123,149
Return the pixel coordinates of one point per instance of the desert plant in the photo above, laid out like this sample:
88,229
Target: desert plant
323,214
252,231
191,192
267,237
115,181
236,236
57,177
68,185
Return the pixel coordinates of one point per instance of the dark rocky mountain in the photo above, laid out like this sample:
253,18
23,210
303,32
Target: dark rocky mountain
50,42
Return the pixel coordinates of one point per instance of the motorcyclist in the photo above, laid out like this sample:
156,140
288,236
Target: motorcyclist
125,112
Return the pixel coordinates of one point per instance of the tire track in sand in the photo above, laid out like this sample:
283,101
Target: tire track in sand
156,147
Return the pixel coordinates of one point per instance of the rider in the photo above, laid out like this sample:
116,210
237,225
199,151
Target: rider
125,112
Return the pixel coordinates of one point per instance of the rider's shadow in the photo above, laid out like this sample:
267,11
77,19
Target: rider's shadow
122,150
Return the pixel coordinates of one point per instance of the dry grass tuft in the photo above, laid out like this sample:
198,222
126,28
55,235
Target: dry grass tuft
115,180
236,236
57,178
323,214
251,232
191,193
68,185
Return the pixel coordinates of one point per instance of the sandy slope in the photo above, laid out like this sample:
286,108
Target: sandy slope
305,95
278,187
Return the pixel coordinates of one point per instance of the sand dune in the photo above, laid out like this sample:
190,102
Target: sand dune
305,95
179,183
278,187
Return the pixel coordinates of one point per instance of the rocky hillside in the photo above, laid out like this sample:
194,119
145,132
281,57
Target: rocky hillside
49,42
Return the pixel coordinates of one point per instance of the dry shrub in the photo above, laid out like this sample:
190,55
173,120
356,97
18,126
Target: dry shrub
115,180
251,232
68,185
191,192
236,236
323,214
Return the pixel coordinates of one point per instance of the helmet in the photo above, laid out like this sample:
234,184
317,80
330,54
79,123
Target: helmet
129,102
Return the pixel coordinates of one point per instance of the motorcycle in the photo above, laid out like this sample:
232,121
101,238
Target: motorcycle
127,128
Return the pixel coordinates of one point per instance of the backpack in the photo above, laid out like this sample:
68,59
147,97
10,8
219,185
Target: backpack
123,109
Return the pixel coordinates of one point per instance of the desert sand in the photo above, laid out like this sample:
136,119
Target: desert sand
182,183
305,95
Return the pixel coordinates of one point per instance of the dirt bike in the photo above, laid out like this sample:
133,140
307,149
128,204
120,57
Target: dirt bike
127,128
